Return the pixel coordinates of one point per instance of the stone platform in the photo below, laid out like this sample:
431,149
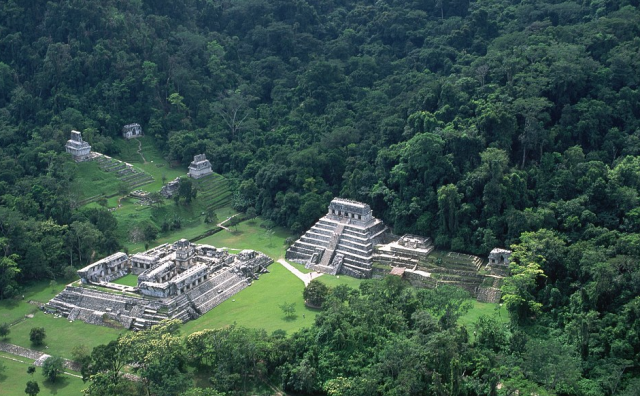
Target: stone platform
175,281
342,241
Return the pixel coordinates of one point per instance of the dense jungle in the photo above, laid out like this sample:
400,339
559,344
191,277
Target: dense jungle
479,123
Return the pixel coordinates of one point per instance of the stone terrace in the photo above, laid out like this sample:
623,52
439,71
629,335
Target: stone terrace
210,277
342,241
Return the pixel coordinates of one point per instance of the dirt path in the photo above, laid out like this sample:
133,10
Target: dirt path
220,224
140,152
306,278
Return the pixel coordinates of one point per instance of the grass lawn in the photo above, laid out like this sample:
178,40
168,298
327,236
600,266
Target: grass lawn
156,165
250,235
90,181
127,280
62,335
131,214
333,281
257,306
483,309
12,310
13,380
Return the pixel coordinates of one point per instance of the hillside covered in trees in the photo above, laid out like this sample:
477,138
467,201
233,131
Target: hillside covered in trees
481,124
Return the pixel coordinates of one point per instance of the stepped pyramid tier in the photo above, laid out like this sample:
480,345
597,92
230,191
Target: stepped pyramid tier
405,252
78,148
130,131
342,241
180,280
200,167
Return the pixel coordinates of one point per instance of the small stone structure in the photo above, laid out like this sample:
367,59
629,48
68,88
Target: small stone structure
200,167
78,148
105,270
180,280
342,241
499,257
170,189
405,252
131,131
349,240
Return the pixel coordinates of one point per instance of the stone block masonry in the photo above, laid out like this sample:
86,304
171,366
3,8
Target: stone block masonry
342,241
180,280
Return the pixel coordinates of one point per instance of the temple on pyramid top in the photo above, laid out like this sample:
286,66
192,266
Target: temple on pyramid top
78,148
342,241
200,167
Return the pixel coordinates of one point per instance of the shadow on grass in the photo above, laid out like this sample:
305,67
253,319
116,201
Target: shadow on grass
290,318
10,303
53,387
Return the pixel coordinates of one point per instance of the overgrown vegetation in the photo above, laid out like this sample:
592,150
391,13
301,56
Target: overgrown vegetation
481,124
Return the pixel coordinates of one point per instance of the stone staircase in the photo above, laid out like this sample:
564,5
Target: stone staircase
331,248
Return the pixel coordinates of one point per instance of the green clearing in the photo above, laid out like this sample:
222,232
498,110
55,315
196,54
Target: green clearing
127,280
479,309
156,165
333,281
257,306
251,235
12,310
13,380
131,215
62,335
91,181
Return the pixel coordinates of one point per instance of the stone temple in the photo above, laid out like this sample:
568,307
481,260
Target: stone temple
349,240
78,148
131,131
200,167
175,281
342,242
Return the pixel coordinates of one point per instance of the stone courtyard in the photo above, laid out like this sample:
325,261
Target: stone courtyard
175,281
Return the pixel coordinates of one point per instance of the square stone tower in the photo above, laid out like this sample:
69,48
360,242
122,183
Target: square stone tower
131,131
200,167
78,148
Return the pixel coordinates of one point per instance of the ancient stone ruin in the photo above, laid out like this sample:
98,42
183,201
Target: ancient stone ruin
342,241
349,240
499,259
175,281
170,189
131,131
78,148
200,167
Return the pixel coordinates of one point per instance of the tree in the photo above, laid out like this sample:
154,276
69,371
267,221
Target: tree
81,354
211,217
234,221
289,310
52,368
4,330
37,335
156,199
31,370
8,272
315,293
519,288
186,190
32,388
233,108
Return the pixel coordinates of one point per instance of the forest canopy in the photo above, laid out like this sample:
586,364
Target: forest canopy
481,124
